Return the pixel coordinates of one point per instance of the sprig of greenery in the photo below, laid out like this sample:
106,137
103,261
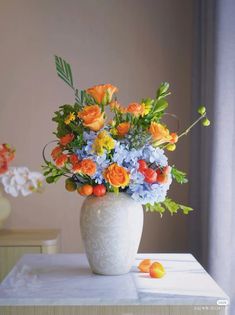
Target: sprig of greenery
169,205
158,105
53,173
59,118
178,175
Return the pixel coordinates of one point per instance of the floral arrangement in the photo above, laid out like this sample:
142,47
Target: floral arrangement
125,154
16,180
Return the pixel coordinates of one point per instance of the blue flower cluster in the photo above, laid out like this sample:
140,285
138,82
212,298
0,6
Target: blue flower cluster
128,157
138,188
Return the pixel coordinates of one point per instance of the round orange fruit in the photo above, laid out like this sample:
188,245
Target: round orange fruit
145,265
157,270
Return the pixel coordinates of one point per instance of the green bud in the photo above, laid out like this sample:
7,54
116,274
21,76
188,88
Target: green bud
201,110
206,122
171,147
50,179
70,184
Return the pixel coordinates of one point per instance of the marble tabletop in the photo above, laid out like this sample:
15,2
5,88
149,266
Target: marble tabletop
65,279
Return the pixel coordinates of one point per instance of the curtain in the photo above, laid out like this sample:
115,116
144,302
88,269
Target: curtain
212,192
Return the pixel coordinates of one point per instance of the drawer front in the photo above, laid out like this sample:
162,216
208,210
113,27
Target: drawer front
10,255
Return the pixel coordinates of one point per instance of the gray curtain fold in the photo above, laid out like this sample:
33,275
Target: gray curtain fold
212,193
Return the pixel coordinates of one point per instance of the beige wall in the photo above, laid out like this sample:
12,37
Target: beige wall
133,44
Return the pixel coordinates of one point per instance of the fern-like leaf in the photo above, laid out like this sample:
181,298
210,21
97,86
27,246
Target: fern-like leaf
64,71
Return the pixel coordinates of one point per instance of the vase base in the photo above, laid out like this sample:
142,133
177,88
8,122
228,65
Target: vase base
110,273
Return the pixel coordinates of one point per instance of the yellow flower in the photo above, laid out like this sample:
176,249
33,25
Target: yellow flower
103,142
69,118
147,108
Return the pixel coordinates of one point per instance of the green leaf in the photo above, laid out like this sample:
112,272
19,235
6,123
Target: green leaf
167,204
155,208
179,176
162,90
64,71
185,209
170,205
161,106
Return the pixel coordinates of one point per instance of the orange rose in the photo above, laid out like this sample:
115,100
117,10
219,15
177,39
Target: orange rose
61,160
102,93
92,117
56,152
66,139
159,133
87,167
123,128
116,175
136,109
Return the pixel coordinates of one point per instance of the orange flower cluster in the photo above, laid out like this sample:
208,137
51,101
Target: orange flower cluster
7,154
86,167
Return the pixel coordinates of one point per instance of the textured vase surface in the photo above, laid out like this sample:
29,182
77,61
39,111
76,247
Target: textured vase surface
111,228
5,209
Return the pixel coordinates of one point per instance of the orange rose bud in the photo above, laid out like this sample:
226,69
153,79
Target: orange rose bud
145,265
157,270
162,178
136,109
76,168
92,117
61,160
123,128
73,159
102,93
159,133
115,106
150,176
56,152
174,137
66,139
87,167
117,175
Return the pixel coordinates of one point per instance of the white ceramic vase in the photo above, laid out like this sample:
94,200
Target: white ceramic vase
111,228
5,209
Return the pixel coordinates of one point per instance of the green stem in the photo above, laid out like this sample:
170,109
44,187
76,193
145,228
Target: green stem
186,131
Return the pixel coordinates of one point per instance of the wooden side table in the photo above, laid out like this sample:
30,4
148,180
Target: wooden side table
16,243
